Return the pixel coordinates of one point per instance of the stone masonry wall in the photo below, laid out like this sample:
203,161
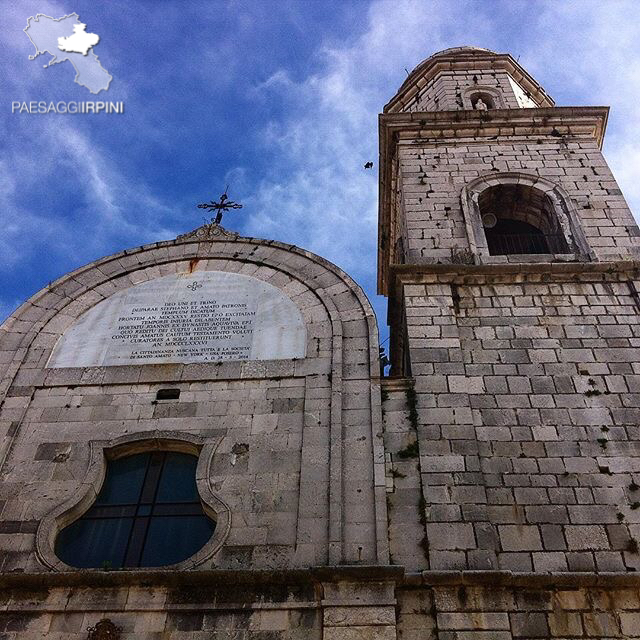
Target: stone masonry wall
427,606
156,611
447,91
405,496
261,420
499,612
434,174
528,406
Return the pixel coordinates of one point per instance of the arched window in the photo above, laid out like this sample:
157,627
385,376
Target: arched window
147,514
518,219
510,216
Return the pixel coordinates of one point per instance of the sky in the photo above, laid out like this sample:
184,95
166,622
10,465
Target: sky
278,100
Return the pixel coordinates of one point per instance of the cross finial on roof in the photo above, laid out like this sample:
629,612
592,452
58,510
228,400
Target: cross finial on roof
220,207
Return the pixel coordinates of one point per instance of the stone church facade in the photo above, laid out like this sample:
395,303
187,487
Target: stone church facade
488,489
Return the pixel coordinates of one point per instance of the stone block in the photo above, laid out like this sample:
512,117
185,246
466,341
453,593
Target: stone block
609,561
529,625
572,600
565,623
360,633
476,621
601,624
630,623
584,537
450,536
466,384
358,616
581,561
520,538
437,464
447,560
549,562
518,562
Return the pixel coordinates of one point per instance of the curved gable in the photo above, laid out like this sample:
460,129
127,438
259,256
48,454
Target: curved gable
298,417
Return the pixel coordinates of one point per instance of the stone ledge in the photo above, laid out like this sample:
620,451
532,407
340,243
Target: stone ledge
397,384
163,374
535,272
222,578
513,579
518,268
351,573
590,122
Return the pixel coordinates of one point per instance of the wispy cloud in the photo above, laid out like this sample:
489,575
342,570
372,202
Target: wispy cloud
586,53
318,194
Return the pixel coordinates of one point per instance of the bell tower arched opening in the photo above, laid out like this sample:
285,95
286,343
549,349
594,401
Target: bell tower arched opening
510,216
520,219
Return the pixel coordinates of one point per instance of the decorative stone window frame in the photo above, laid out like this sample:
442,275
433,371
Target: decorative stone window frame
101,451
494,94
563,208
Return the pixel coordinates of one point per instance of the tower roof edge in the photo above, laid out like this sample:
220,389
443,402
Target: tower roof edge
458,58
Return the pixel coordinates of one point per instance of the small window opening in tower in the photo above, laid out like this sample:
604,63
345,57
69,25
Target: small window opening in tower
519,219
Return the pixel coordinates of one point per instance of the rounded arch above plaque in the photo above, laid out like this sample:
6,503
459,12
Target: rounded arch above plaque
207,316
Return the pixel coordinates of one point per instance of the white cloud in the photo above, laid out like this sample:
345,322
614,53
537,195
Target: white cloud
589,50
17,223
318,194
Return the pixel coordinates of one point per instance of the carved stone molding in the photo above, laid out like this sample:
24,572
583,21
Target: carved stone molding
104,630
210,231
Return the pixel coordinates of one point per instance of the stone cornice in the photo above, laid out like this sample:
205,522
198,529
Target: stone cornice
317,575
397,384
212,578
462,274
452,271
445,125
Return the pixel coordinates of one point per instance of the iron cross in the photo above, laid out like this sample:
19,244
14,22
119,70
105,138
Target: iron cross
220,207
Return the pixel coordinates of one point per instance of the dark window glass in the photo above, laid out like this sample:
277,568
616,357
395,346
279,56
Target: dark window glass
167,542
95,543
148,514
123,483
171,487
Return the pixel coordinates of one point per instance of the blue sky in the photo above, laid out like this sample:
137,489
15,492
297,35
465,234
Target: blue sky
277,99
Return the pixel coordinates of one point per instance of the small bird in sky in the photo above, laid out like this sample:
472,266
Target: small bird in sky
368,165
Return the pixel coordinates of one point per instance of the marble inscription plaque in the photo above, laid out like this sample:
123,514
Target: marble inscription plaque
207,316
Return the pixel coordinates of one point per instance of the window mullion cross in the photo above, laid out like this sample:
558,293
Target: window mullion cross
138,536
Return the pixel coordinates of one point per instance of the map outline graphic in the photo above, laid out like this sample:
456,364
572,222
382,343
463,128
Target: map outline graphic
58,55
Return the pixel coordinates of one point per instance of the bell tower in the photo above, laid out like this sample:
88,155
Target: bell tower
510,260
478,167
